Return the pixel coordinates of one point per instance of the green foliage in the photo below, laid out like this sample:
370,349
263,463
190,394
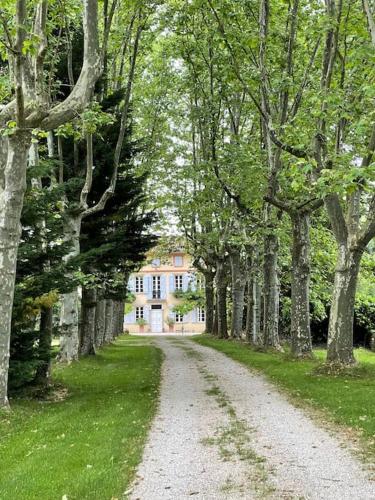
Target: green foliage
130,297
40,272
24,359
141,322
190,299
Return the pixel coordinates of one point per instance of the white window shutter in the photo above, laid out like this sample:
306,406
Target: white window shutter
171,283
185,282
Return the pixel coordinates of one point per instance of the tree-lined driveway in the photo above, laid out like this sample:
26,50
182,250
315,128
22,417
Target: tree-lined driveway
222,432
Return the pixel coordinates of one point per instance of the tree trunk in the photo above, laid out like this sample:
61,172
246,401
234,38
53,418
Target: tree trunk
88,308
120,326
43,373
115,319
253,298
12,190
108,335
222,327
100,322
340,330
238,292
257,304
69,317
300,308
215,324
210,300
271,292
249,309
221,290
372,340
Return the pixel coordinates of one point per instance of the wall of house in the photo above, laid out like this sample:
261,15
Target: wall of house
167,271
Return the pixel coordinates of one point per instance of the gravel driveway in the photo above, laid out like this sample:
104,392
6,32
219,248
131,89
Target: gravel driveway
222,432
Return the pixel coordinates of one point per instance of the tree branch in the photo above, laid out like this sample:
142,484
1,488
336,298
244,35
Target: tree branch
127,37
336,216
84,88
272,200
284,100
107,29
370,19
298,97
368,231
38,62
89,171
314,204
298,153
109,192
235,197
19,60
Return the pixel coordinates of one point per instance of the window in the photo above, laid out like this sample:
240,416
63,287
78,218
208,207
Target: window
156,282
139,313
179,318
155,263
178,282
201,314
139,284
178,260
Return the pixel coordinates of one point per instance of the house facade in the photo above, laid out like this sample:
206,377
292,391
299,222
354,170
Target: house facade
154,287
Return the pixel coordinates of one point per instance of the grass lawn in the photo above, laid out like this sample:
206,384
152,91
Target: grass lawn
88,445
348,399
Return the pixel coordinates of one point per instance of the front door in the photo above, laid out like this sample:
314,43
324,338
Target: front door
156,320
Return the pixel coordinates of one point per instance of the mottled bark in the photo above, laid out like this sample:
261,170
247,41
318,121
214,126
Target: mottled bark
249,309
115,319
108,335
121,307
12,189
88,310
43,373
69,316
372,340
340,330
253,295
300,308
84,88
271,292
100,322
370,19
209,303
215,326
238,291
119,316
257,308
221,290
222,327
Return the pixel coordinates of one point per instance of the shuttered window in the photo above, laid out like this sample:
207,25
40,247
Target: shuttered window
139,313
139,284
201,314
179,318
178,282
